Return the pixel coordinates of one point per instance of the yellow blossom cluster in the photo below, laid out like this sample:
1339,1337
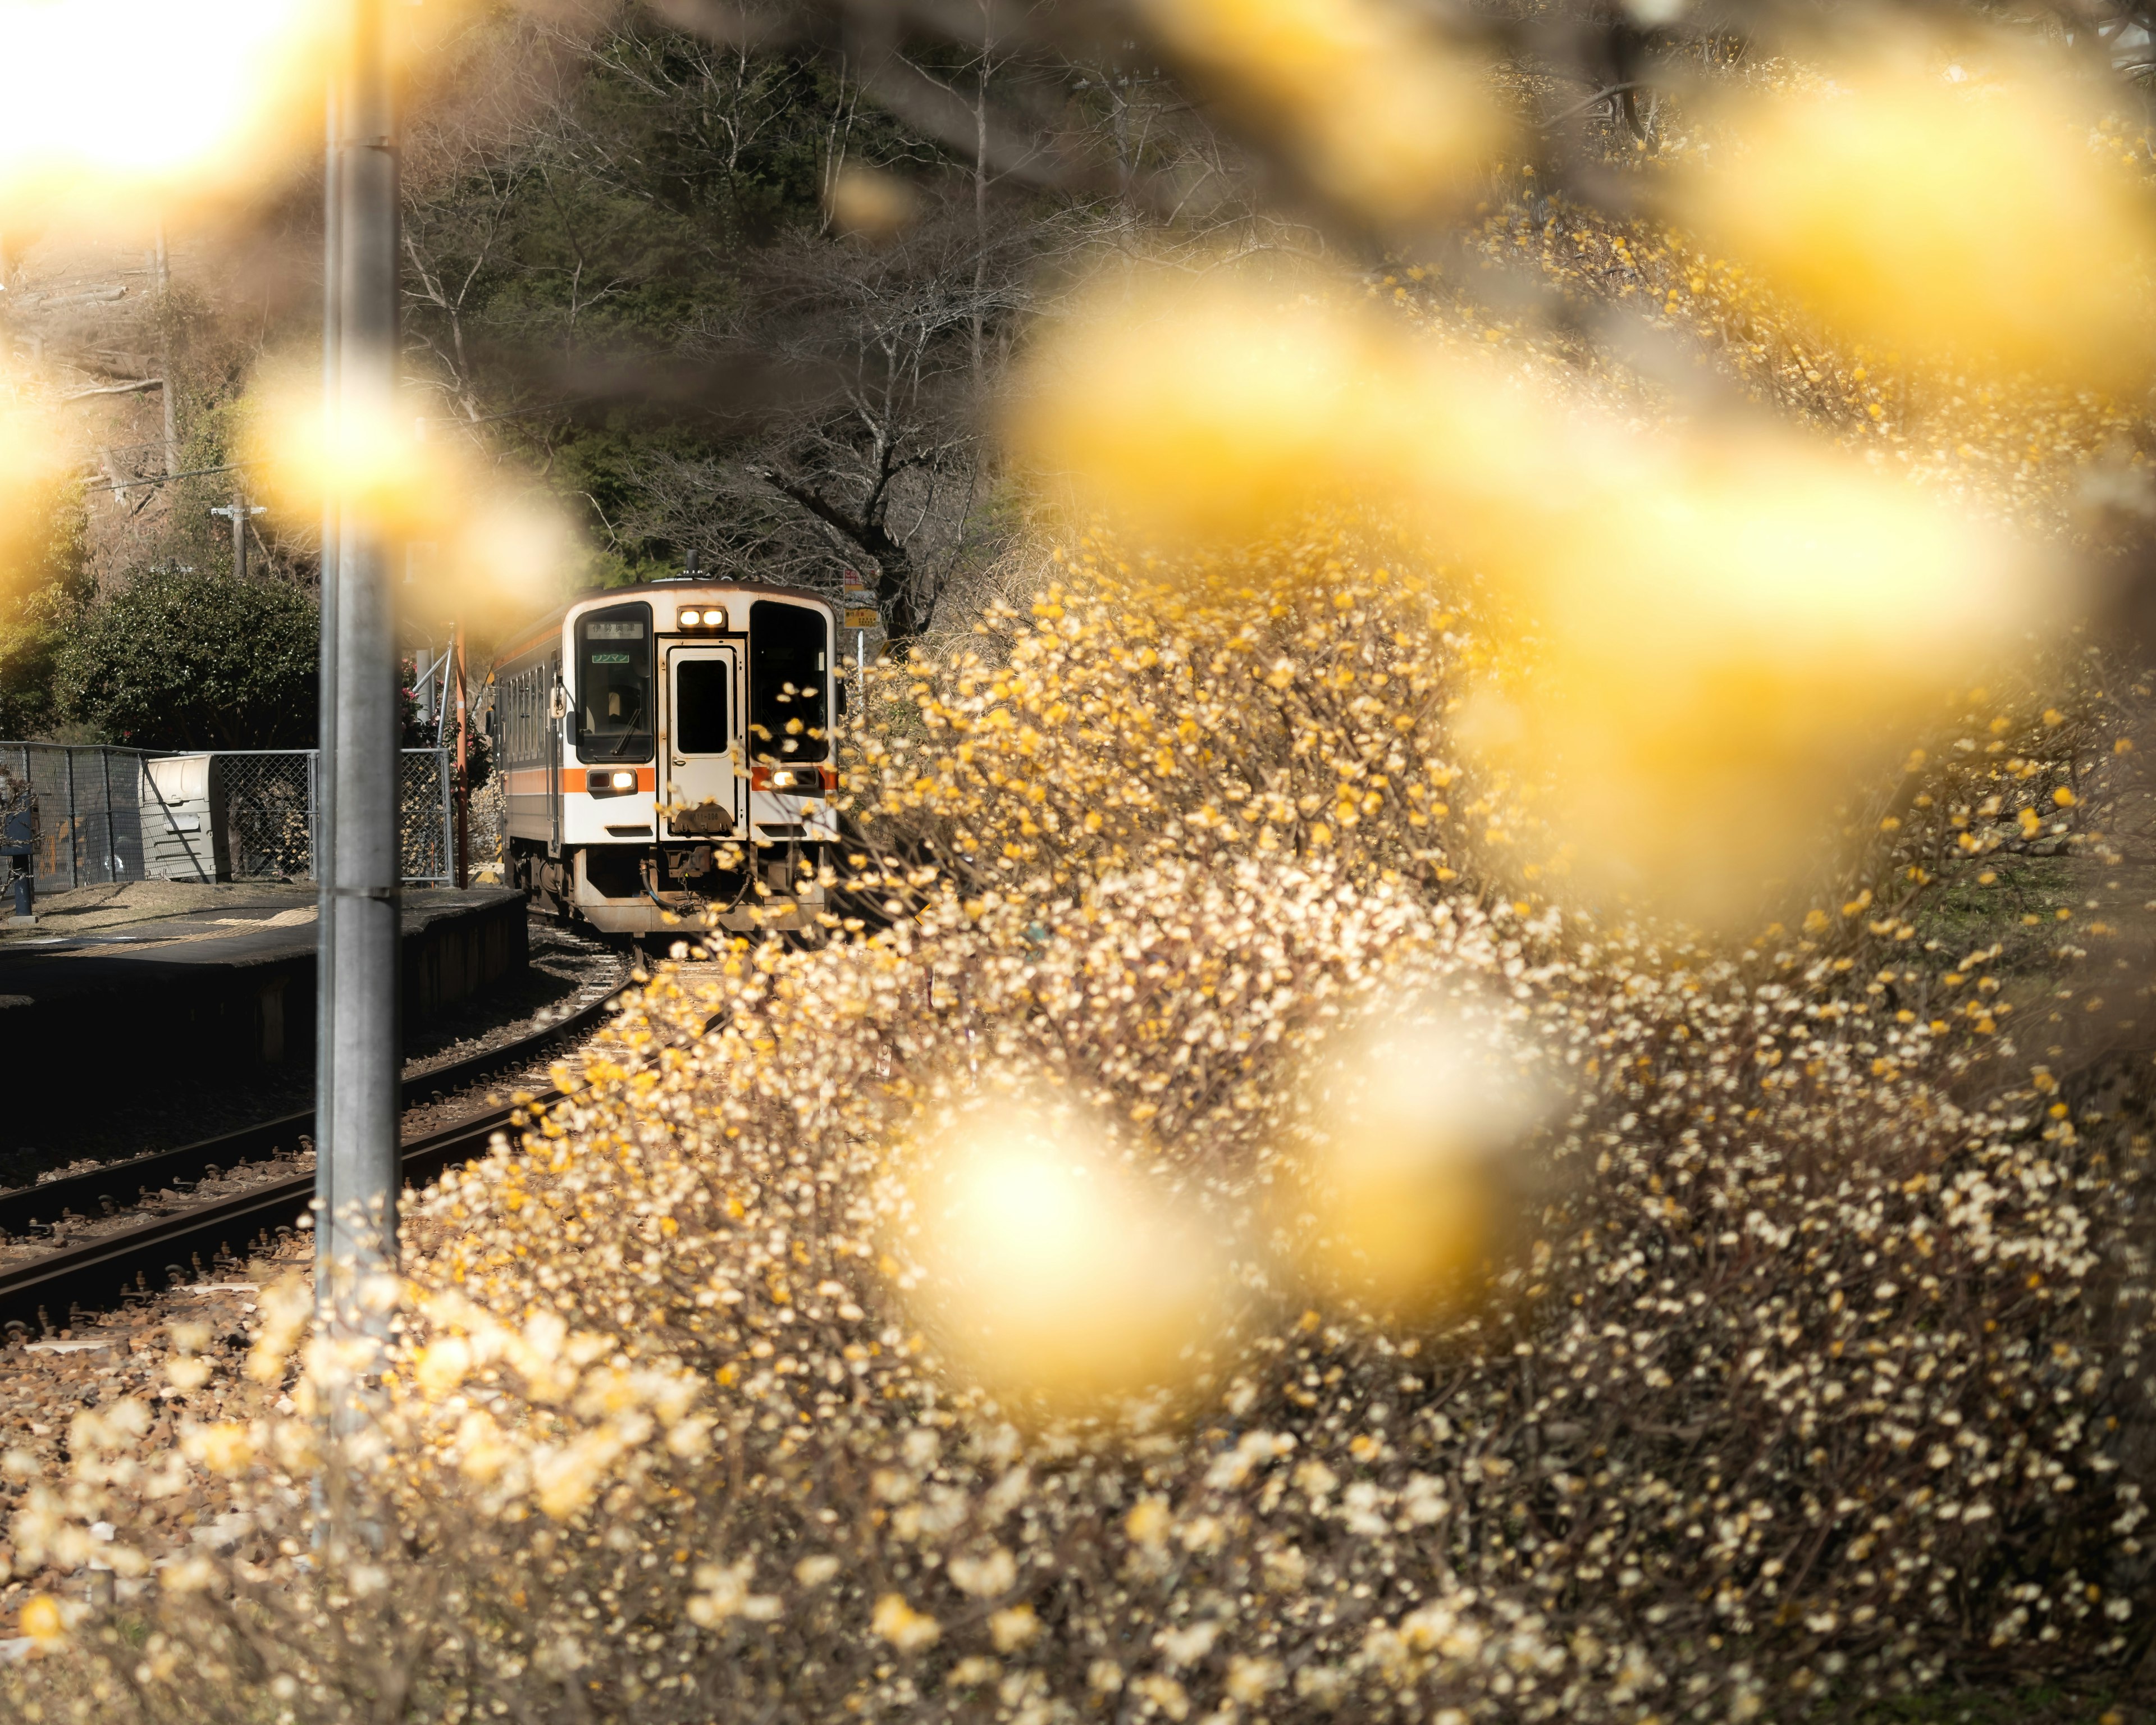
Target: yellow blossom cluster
2016,447
1793,1360
1702,635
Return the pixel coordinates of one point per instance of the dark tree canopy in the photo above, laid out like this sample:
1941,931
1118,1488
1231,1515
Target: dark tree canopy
197,660
639,279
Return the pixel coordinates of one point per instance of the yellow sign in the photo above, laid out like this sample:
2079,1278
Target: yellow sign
863,620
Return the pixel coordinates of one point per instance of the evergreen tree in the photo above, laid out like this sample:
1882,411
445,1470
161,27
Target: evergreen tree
187,660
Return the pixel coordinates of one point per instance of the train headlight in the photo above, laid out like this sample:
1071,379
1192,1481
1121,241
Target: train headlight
623,780
708,617
690,620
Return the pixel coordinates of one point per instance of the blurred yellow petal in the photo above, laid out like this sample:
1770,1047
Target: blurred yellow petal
1727,637
1945,214
115,112
225,1447
372,461
150,97
1049,1267
1374,112
41,1619
441,1367
1722,625
905,1628
513,553
1399,1184
1218,410
32,465
870,203
479,545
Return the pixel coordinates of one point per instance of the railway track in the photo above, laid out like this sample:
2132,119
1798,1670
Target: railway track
57,1286
98,1273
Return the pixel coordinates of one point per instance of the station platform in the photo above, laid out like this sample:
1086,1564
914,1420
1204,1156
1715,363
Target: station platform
121,984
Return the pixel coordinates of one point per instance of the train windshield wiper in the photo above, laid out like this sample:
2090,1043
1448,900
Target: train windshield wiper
628,730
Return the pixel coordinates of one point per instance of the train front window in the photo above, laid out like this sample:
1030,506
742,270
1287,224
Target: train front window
788,671
614,707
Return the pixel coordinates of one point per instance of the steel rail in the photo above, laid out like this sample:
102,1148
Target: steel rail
49,1291
123,1183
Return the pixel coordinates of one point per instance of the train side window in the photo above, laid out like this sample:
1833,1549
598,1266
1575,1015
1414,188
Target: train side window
788,671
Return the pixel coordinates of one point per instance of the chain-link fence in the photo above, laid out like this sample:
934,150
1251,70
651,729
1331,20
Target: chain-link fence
488,830
89,822
110,814
426,807
270,803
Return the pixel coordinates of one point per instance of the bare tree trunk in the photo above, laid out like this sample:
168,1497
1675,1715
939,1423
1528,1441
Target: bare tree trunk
163,266
895,597
1119,99
839,136
981,186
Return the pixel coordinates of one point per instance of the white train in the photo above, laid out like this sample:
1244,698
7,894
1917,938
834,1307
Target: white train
668,748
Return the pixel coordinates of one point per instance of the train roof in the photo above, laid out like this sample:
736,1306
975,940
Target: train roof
524,639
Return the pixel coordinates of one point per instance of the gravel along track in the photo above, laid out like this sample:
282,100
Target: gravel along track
44,1384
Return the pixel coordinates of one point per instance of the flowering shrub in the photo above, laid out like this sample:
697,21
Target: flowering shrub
1797,1356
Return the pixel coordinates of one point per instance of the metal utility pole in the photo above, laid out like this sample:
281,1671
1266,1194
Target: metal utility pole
240,510
464,767
325,798
356,1164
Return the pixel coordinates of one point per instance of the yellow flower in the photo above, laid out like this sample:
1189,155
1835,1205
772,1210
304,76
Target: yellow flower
42,1621
1148,1522
905,1628
1014,1627
225,1448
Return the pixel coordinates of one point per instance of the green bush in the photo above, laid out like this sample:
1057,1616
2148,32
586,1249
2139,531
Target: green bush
194,660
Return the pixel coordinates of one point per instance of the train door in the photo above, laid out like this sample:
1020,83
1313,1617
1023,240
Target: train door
702,685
